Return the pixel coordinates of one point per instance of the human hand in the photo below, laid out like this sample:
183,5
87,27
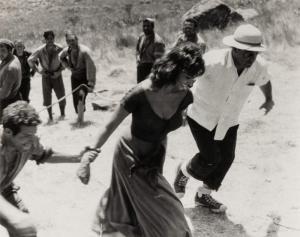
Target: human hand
84,173
56,74
267,106
21,225
87,156
90,86
32,72
46,73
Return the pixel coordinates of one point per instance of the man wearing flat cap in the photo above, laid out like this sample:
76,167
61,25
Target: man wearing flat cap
149,47
10,75
47,57
219,96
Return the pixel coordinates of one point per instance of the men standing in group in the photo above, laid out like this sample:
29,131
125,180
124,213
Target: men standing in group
149,47
189,34
51,68
77,58
10,75
27,72
219,96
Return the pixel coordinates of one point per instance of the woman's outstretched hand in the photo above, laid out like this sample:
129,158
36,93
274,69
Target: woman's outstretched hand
88,156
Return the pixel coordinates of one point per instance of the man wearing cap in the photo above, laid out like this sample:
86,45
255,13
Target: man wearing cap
149,47
10,75
19,143
27,72
189,34
219,96
51,68
77,58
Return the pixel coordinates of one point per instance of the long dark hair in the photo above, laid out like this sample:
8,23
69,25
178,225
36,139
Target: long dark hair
186,57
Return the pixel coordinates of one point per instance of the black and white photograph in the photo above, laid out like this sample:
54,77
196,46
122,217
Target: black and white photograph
149,118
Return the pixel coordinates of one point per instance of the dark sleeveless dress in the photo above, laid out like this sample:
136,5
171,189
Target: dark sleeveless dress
140,202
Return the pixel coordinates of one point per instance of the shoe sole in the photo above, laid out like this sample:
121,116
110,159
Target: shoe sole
218,211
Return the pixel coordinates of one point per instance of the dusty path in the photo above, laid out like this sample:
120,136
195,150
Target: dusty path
262,186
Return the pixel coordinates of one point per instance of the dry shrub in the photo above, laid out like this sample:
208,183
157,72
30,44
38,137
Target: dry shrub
126,40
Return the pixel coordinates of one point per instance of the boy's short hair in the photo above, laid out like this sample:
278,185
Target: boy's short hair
19,113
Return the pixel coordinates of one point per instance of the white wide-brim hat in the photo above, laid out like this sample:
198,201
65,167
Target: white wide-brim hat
246,37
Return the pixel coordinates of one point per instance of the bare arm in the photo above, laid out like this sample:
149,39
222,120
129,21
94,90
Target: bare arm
267,91
137,50
47,155
118,116
90,154
57,157
7,211
33,59
16,222
63,58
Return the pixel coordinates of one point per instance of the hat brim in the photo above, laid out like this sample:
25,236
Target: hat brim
230,41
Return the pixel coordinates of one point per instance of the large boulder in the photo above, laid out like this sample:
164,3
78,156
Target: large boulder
248,13
212,14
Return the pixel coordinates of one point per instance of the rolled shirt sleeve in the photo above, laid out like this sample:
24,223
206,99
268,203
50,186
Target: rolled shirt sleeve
39,153
62,56
33,58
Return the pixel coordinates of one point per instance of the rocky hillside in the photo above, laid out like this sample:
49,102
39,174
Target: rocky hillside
103,22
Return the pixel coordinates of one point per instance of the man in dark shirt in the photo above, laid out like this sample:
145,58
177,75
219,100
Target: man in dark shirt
149,47
77,58
27,72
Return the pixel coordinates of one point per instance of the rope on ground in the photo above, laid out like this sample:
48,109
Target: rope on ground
283,226
276,221
67,95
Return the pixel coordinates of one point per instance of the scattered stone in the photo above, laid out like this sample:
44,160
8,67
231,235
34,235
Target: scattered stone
104,106
116,72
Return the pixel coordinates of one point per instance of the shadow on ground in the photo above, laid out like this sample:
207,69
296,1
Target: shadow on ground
208,224
76,125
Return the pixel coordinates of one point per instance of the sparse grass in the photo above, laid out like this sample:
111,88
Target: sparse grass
111,25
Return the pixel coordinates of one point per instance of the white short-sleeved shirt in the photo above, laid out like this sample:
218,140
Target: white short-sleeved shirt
219,95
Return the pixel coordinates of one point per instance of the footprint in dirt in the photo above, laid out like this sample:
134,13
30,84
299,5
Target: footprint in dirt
208,224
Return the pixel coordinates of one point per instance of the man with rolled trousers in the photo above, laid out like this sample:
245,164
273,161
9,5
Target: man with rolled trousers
77,58
51,68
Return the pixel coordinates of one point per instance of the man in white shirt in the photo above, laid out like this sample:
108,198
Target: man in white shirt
219,96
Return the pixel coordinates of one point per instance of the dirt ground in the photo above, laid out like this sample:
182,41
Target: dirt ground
261,190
